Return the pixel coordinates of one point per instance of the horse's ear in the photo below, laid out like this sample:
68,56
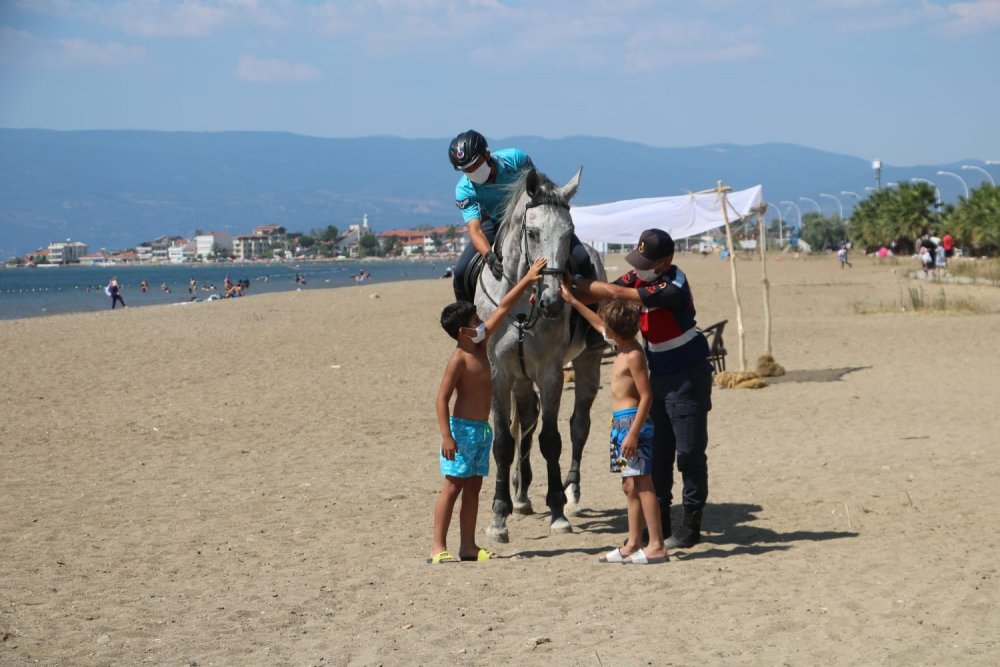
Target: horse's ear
569,190
531,184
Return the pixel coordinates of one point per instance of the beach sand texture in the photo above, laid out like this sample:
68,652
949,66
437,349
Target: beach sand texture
251,483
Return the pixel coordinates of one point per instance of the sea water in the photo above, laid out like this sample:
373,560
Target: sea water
36,291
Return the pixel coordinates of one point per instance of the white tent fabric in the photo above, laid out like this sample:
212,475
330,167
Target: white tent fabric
681,216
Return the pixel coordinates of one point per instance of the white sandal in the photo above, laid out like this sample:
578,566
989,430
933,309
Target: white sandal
613,556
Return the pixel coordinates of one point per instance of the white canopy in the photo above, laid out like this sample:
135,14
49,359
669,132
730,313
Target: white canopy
681,216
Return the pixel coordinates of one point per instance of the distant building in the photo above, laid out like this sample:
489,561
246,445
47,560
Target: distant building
94,259
249,246
206,244
275,234
427,242
157,250
182,251
123,257
257,244
350,241
105,258
69,252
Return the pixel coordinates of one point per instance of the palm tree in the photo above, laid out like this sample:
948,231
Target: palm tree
900,214
976,220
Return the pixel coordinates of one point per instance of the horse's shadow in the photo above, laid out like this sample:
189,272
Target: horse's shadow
725,525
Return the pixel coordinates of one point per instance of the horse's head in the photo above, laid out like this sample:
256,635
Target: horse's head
546,231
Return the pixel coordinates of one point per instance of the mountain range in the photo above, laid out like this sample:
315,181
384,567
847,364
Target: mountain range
117,188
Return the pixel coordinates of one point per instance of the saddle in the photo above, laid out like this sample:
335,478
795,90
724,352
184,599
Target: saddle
475,266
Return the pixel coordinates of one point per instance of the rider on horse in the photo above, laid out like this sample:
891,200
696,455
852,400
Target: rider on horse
480,194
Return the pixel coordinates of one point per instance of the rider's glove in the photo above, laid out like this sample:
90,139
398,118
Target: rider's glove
495,264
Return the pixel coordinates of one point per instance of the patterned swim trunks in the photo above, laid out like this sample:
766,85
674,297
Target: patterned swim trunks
642,464
474,440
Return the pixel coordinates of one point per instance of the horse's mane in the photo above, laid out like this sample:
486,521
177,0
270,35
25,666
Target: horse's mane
548,193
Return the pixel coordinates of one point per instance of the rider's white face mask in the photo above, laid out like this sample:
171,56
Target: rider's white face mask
481,173
647,276
480,333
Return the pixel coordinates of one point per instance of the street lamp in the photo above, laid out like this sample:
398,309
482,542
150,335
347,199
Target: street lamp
954,175
840,205
797,210
877,168
937,190
819,209
853,194
970,166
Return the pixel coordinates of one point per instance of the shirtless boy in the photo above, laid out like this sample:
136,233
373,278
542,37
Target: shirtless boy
466,436
631,432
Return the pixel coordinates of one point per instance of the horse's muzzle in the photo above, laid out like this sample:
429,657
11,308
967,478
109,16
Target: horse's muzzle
551,304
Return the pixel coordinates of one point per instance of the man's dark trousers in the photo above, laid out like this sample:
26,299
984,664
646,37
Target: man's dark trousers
681,402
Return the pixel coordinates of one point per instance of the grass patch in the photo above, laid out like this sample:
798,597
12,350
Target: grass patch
987,270
916,300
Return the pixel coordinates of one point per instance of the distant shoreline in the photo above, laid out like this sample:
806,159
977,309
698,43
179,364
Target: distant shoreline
242,262
76,288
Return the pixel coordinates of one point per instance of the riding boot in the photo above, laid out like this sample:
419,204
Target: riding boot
689,532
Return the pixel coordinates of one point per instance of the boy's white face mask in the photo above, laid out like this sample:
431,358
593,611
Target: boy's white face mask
480,334
607,340
481,174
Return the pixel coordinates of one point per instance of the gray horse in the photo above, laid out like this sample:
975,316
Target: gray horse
530,349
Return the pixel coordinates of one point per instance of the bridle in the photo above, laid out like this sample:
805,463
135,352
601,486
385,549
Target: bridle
525,322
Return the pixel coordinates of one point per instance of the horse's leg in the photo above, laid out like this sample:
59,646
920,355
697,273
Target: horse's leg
526,401
503,456
550,444
587,367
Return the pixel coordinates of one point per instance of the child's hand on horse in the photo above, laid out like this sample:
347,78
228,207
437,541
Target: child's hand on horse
566,292
535,272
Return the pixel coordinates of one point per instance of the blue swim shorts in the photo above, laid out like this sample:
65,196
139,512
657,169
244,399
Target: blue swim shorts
474,440
642,464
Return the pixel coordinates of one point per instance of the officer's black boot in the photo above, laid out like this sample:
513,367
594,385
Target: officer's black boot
689,533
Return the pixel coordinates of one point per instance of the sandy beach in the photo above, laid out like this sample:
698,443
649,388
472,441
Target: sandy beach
251,483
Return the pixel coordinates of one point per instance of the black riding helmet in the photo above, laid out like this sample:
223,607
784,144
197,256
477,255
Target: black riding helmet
466,149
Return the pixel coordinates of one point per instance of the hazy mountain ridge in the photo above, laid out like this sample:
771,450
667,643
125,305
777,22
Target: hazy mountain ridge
116,188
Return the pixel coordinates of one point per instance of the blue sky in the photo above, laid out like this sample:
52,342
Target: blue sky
909,82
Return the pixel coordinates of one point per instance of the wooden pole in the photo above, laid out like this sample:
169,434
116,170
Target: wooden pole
721,190
767,283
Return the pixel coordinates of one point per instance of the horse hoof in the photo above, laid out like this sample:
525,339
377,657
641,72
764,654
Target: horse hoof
572,498
498,534
523,507
561,526
571,507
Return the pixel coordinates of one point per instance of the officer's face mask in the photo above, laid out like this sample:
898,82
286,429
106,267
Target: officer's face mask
480,174
647,276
